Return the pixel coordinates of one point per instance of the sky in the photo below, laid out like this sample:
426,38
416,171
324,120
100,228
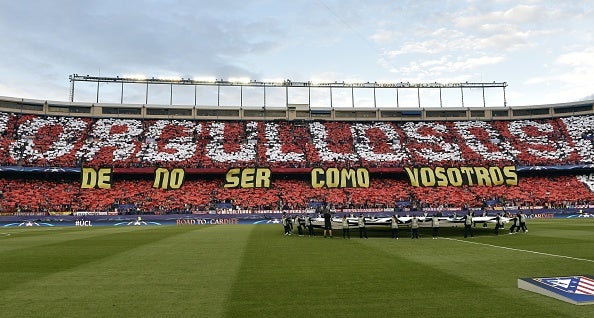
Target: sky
543,50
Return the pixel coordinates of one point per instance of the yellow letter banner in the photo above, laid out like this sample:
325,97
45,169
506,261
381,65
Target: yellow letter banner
92,178
257,177
169,178
340,178
459,176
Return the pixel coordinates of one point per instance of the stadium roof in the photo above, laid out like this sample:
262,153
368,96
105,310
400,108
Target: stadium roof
261,89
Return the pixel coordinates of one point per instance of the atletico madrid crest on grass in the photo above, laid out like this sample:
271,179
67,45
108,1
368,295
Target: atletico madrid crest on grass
577,290
575,284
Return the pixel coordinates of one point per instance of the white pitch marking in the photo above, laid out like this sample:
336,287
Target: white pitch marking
521,250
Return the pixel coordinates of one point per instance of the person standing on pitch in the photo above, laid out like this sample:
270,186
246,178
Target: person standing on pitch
300,224
394,226
515,224
468,225
435,226
523,218
414,227
497,223
362,229
346,232
286,224
310,226
327,222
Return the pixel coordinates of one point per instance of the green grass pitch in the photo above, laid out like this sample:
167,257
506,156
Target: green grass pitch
255,271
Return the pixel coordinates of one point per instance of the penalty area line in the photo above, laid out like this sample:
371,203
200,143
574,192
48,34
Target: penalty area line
521,250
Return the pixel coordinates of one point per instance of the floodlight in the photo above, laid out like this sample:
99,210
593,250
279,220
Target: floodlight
243,80
135,77
171,78
274,80
209,79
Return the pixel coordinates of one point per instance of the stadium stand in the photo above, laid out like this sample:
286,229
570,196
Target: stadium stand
31,140
207,148
137,196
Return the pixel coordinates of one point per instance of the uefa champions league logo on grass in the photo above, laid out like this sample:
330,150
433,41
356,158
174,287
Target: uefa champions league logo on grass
137,222
28,224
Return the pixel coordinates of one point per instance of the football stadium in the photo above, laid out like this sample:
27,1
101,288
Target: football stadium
130,210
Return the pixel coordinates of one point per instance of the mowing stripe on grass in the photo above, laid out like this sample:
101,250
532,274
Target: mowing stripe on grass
521,250
29,258
168,271
316,277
